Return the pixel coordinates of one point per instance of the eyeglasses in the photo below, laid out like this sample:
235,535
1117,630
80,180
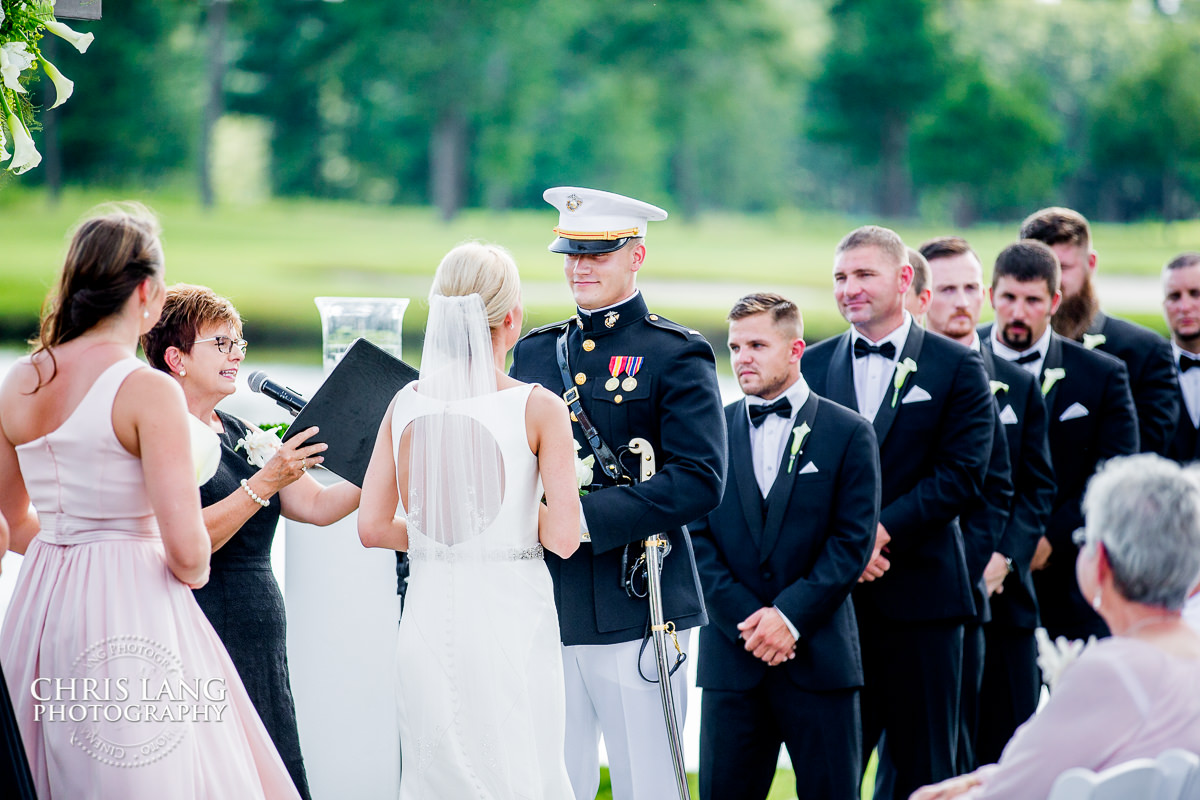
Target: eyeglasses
225,344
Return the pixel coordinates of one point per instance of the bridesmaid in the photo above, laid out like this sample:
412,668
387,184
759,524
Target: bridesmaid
15,780
198,341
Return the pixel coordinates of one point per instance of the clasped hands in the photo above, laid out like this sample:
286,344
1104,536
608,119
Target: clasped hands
767,637
878,563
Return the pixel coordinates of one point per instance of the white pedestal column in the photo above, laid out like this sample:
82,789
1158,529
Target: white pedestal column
343,613
342,618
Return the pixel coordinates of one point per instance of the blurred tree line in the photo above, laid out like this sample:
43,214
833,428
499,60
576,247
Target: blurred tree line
976,109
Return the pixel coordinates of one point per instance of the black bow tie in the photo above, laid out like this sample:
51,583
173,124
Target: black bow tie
1028,358
863,348
759,412
1186,362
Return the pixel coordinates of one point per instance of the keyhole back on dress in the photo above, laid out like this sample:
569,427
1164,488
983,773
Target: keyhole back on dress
456,477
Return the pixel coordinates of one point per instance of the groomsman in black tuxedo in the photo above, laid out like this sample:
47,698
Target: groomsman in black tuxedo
1147,355
1091,418
929,402
780,660
1181,306
1006,683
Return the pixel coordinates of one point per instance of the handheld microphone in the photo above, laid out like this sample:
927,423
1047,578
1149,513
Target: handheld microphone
287,398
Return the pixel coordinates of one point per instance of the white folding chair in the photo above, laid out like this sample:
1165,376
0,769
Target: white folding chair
1181,774
1139,779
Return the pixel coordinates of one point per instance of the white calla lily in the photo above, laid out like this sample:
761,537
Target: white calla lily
80,41
14,59
4,154
63,86
25,154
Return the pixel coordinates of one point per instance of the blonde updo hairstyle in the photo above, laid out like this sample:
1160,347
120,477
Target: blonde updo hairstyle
487,270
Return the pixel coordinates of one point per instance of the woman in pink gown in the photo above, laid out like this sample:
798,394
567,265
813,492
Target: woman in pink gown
1138,693
120,686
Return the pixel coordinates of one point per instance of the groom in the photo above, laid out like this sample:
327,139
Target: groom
637,375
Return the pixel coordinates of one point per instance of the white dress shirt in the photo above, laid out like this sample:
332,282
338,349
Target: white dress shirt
1189,384
873,374
1041,346
767,443
768,440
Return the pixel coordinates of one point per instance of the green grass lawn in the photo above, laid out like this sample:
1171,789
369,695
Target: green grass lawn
273,258
782,788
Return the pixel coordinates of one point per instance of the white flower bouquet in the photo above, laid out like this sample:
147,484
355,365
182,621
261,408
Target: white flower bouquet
22,24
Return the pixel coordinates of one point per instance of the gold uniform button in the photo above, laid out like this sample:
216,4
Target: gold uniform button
618,399
589,345
654,317
580,378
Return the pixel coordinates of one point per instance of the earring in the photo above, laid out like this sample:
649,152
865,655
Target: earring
1096,600
146,313
182,372
510,324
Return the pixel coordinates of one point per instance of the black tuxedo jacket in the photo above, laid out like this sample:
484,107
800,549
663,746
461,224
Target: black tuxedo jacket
1091,418
1152,381
801,549
983,522
934,446
1185,443
673,403
1023,414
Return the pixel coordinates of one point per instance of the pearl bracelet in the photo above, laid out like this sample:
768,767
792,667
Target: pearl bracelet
253,496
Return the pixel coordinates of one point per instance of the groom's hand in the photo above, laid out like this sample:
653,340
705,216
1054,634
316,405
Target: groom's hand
767,637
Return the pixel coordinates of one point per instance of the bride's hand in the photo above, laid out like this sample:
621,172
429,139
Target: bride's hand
290,461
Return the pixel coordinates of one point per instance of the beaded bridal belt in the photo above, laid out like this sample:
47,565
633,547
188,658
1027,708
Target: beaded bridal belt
491,554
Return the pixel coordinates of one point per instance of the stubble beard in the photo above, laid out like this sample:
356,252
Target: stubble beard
1075,314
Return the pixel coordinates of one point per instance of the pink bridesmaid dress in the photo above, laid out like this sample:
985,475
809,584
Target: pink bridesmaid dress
120,686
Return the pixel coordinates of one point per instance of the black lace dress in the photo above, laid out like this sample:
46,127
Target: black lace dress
15,780
243,602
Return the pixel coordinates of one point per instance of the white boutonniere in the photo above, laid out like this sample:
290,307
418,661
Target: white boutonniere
903,370
1055,656
998,386
259,445
799,434
1093,340
206,450
583,470
1052,376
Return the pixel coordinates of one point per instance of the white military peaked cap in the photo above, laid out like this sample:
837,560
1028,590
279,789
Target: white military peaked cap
592,221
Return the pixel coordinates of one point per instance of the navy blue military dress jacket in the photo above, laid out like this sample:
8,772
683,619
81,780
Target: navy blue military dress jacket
671,399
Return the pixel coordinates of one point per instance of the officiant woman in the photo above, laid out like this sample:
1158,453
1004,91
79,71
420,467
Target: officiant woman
198,341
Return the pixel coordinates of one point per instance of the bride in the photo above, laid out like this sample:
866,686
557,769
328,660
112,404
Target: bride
468,452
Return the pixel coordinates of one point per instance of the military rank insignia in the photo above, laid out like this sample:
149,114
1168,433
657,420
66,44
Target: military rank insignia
627,364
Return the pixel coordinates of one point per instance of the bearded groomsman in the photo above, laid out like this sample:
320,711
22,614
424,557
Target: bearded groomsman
1147,355
929,402
1181,306
780,660
632,374
1091,419
1004,687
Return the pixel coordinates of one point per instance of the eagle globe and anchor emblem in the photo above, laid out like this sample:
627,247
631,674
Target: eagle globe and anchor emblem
574,202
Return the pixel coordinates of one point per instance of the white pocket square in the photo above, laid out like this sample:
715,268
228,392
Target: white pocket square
916,395
808,469
1074,411
1008,416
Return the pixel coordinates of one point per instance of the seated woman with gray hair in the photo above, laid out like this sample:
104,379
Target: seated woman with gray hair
1138,693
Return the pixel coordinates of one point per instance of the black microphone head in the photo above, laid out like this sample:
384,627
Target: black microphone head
256,380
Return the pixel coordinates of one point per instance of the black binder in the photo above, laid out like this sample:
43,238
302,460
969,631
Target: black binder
350,405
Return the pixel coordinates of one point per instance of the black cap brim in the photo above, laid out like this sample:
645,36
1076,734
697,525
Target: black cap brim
587,247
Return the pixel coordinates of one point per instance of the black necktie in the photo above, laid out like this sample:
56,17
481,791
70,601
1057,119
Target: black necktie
1028,358
1186,362
863,348
759,412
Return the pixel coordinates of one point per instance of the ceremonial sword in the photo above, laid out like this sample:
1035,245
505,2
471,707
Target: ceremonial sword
655,548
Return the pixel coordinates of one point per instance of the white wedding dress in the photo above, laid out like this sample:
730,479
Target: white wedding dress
480,679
